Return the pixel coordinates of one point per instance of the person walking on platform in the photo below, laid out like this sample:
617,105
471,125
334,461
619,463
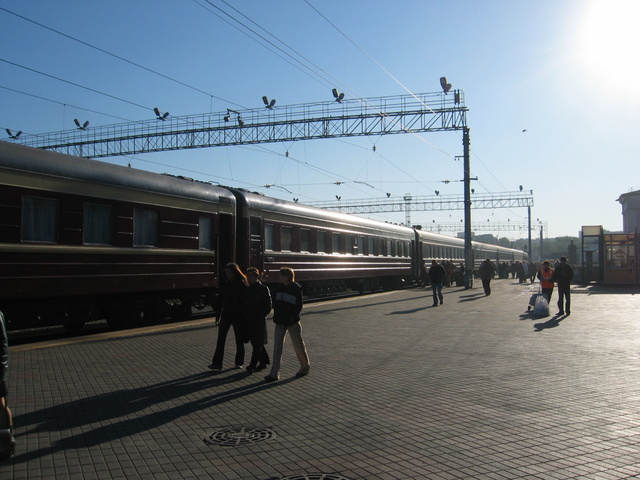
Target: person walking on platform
257,306
233,290
436,277
487,272
287,305
562,275
533,268
545,275
7,441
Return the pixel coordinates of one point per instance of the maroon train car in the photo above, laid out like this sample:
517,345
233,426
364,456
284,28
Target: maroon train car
82,239
329,251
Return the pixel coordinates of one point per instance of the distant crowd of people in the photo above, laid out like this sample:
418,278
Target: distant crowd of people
440,275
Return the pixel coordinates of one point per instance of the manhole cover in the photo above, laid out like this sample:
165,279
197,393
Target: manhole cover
235,436
315,476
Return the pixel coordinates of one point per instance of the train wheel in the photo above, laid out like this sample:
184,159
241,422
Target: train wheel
117,316
73,324
180,312
77,316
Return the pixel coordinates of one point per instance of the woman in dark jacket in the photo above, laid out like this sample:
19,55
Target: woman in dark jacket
257,306
232,315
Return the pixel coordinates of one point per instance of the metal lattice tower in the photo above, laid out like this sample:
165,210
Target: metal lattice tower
482,227
426,112
417,203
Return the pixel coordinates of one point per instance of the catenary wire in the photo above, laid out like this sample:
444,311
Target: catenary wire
119,57
64,104
75,84
316,66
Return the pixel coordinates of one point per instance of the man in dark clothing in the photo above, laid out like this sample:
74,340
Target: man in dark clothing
7,442
562,275
436,277
487,272
287,305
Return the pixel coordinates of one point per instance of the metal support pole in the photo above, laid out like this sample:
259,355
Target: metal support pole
407,206
541,253
530,251
468,250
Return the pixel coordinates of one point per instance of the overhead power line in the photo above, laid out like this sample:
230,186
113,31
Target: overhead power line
75,84
119,57
62,103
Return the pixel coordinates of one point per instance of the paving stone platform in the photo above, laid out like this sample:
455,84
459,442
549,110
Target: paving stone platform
476,388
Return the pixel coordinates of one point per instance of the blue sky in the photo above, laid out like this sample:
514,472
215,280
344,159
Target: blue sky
566,71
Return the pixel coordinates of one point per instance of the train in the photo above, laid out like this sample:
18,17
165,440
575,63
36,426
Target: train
82,239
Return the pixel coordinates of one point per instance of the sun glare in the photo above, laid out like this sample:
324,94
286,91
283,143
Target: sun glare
610,40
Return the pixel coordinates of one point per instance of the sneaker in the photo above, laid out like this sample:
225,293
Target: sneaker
262,366
269,378
215,367
239,367
7,444
250,370
302,372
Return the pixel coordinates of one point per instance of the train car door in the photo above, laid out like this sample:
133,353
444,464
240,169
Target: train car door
226,239
256,244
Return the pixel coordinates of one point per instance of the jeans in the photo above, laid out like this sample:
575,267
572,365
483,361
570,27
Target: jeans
295,331
437,292
564,292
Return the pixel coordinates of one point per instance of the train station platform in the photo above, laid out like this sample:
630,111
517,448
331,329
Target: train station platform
476,388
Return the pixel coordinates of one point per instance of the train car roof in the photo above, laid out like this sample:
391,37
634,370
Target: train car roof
437,237
260,202
28,159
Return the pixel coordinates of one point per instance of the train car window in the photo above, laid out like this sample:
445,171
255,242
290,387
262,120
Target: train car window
205,233
269,237
286,238
335,243
97,224
305,240
348,244
370,248
256,223
322,244
389,251
145,228
360,246
39,219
